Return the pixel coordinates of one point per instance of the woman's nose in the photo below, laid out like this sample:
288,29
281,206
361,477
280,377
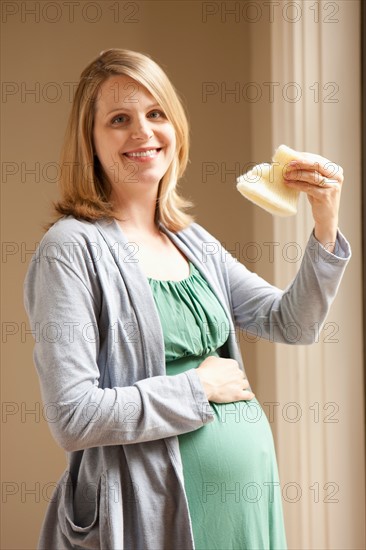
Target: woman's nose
141,129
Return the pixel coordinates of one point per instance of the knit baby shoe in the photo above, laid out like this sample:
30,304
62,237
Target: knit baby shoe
264,184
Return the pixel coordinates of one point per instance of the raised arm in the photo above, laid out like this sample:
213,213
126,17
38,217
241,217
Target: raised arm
293,315
296,314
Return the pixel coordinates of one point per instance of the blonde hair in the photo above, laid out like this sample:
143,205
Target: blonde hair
84,187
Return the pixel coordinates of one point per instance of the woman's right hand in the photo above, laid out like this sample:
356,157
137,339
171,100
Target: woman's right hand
223,380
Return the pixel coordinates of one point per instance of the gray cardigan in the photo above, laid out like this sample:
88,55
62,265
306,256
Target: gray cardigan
99,354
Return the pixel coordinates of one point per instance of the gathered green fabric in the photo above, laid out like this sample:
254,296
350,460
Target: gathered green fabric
230,469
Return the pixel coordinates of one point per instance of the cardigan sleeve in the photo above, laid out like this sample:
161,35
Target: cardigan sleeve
63,315
296,314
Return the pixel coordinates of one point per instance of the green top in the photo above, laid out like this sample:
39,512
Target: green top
229,465
194,322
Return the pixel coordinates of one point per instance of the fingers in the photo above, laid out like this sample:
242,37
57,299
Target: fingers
327,182
314,190
312,182
311,161
313,171
245,393
247,396
310,177
223,380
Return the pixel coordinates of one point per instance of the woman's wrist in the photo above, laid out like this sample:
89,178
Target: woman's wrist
206,386
327,236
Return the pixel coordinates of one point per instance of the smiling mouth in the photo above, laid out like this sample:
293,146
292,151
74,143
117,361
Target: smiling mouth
142,154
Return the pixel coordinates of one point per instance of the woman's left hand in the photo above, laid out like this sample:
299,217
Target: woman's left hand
324,195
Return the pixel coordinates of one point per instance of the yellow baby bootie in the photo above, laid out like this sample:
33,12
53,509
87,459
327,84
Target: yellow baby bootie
264,184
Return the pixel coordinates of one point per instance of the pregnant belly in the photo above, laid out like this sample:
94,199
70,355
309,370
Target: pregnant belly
237,446
231,477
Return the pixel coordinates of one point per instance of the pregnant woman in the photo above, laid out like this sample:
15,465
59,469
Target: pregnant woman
134,308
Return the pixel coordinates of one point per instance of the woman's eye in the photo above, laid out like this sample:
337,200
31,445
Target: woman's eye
160,113
120,119
117,119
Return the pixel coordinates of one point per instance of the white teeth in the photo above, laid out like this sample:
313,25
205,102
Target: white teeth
149,153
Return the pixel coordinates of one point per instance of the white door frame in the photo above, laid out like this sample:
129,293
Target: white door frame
315,393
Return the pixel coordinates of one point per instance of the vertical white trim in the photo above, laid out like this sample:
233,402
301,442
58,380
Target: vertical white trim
311,53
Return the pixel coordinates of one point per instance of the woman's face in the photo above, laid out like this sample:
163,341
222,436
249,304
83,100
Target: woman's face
133,139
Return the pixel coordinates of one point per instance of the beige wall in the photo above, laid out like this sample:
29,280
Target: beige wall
197,50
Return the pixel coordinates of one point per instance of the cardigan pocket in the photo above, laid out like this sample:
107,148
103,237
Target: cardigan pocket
92,535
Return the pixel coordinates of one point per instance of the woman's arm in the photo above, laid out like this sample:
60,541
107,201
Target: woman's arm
322,181
62,313
296,314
